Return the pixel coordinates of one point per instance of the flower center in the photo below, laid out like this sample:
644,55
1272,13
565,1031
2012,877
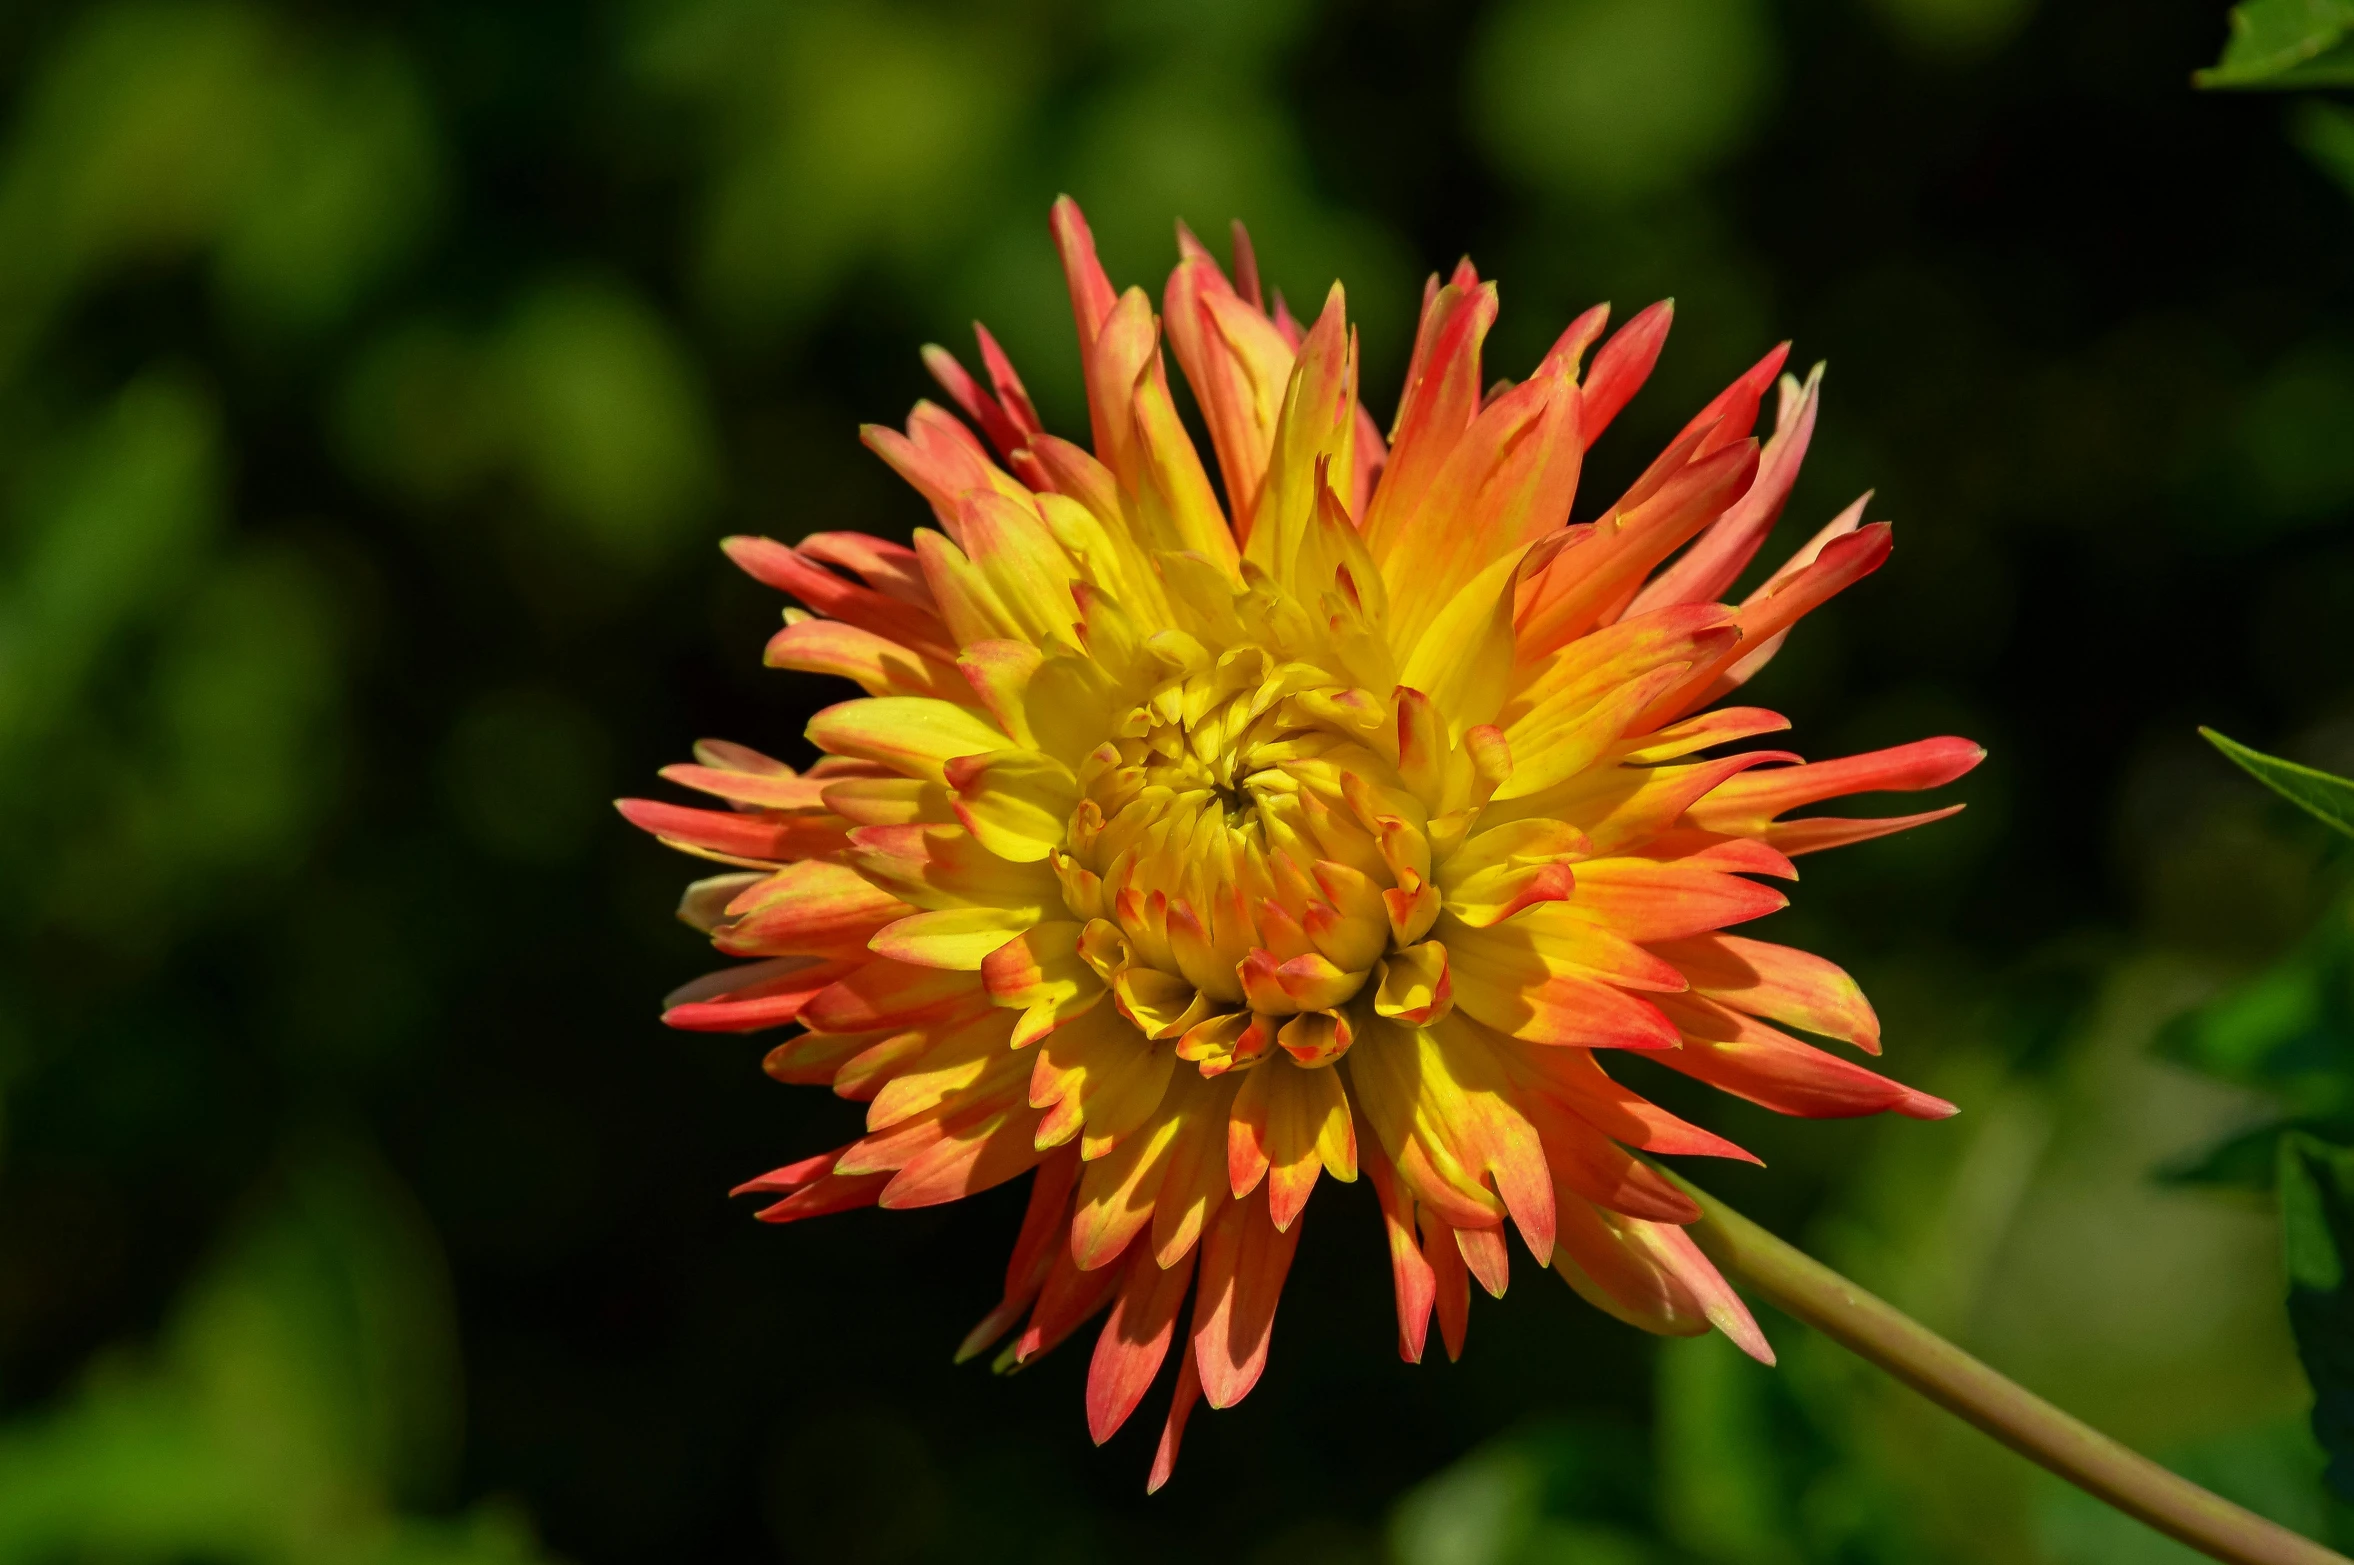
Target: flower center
1243,860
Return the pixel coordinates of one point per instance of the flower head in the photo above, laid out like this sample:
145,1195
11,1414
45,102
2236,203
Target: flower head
1194,841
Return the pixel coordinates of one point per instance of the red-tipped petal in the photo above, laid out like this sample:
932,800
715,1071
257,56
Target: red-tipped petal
834,1193
1742,1055
1486,1256
1189,1391
884,993
1092,295
1129,1351
1070,1299
1244,1262
736,835
1817,832
1450,1282
1416,1285
975,1160
1012,395
1044,1221
976,404
787,570
1624,363
1747,803
1716,558
752,995
890,568
1732,413
1776,981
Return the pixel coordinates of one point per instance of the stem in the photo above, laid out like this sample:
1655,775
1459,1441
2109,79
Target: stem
1877,1331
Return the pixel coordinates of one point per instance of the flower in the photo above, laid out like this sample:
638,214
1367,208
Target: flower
1184,850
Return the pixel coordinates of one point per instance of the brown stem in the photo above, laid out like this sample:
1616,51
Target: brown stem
1875,1330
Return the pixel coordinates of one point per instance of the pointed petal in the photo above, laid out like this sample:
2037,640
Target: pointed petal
1245,1259
1624,363
1742,1055
1043,1226
734,836
1415,1284
1778,982
1189,1390
914,627
1134,1341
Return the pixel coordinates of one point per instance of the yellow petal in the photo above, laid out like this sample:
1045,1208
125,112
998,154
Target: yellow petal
914,735
1027,571
960,939
940,867
1016,803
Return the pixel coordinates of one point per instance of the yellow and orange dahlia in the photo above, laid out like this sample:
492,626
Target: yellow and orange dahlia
1188,845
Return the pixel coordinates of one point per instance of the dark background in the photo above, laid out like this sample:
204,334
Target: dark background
375,383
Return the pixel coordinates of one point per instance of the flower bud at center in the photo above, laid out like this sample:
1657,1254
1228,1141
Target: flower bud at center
1237,857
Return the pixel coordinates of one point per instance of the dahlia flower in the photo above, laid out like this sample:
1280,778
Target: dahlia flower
1196,839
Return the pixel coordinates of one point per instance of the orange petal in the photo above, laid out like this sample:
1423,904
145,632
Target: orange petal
1747,804
1742,1055
734,836
1070,1298
1415,1283
1189,1390
754,995
1486,1257
1561,1008
774,564
1717,557
880,666
1035,1248
813,908
941,459
1589,580
890,568
982,1157
1091,291
1624,363
1129,1351
1244,1261
1440,400
883,993
1647,901
1450,1281
1780,982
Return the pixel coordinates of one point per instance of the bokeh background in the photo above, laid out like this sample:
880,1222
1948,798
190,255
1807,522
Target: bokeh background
375,384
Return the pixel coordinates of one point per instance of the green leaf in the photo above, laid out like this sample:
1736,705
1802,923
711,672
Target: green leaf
2287,1032
2286,44
2317,1230
2320,794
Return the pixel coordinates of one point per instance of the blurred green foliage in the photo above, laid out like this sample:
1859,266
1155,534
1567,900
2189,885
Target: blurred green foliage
305,1385
1621,98
2317,1213
2289,1033
2286,44
374,381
